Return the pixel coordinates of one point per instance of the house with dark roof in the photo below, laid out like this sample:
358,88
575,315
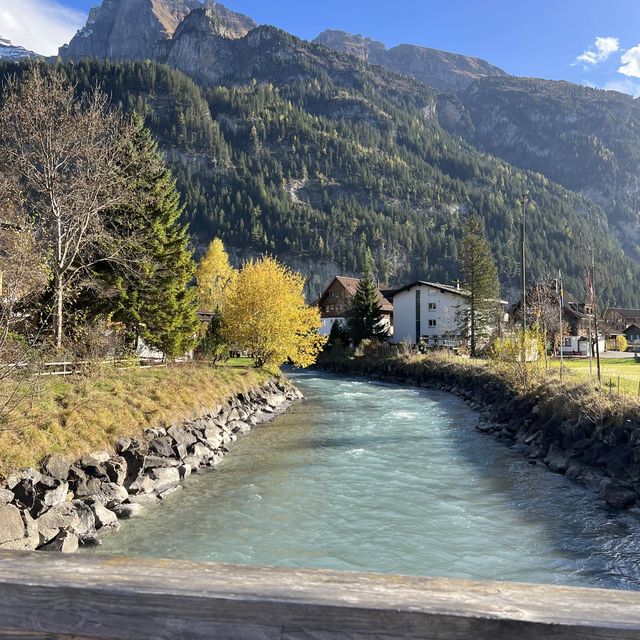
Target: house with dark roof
632,334
617,320
543,303
335,303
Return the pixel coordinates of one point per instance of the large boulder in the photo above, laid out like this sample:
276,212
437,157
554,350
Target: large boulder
75,517
6,496
162,447
116,469
110,494
64,542
181,436
212,437
57,466
128,511
50,497
106,520
17,530
156,481
36,492
94,464
239,426
155,462
23,485
617,496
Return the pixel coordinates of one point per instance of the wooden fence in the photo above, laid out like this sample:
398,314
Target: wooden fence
89,597
78,366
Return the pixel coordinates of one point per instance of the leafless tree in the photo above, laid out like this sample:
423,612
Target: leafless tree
23,277
63,163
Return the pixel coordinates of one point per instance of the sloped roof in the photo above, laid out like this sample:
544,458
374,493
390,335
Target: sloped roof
435,285
632,329
350,285
627,313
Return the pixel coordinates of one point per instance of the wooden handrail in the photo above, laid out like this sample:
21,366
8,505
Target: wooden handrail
89,597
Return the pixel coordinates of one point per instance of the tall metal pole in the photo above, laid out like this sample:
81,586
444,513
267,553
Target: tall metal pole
561,304
523,277
595,316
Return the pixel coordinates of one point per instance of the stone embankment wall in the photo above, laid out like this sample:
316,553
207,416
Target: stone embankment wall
600,452
67,503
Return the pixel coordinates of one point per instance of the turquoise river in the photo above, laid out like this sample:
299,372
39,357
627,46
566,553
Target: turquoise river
364,476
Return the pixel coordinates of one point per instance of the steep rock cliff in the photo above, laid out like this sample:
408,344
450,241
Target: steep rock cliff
441,70
143,29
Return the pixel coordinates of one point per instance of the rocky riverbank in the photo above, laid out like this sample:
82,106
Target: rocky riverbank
68,503
600,450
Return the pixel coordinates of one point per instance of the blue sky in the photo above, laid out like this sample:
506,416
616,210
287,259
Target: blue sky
541,38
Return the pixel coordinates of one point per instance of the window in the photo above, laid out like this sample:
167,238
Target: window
432,306
567,342
432,323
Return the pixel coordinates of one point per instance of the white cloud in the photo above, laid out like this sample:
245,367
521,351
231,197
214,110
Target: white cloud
624,85
599,51
39,25
631,62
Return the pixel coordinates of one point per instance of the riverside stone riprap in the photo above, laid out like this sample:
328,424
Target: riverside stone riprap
67,503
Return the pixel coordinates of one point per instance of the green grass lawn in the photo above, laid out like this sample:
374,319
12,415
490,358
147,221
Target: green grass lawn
626,368
78,414
239,362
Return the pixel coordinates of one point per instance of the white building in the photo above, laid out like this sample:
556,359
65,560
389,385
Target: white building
579,346
428,311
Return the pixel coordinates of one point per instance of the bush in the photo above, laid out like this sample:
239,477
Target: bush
621,343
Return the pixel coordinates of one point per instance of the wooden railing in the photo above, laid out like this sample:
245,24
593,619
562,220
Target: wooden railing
67,368
89,597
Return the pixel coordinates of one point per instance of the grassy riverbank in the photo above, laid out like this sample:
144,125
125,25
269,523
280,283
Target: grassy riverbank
619,374
575,397
75,415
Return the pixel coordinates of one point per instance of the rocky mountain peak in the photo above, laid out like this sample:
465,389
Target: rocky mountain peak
9,51
444,71
233,25
356,45
214,19
128,29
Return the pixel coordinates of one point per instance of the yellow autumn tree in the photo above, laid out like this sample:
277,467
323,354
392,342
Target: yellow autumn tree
265,313
213,276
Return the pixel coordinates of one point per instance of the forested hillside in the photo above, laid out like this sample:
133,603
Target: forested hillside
585,139
313,166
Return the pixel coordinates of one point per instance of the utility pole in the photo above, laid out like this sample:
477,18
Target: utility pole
561,305
524,200
594,303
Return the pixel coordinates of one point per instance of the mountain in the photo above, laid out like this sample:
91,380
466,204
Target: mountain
10,51
287,147
583,138
143,29
439,69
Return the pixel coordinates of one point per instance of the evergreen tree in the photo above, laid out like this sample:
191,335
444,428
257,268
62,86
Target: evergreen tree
158,305
366,321
339,334
481,281
213,345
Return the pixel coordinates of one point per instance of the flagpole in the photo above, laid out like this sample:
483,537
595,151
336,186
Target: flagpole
561,303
